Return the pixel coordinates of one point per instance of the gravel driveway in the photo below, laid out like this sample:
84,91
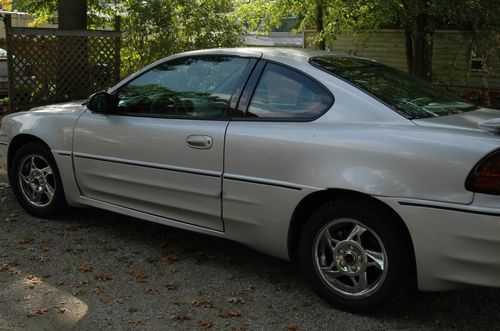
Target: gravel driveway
97,270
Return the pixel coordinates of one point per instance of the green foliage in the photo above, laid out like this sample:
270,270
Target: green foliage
355,15
154,29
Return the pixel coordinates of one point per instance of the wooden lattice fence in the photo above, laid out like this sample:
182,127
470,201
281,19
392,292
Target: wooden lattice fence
50,65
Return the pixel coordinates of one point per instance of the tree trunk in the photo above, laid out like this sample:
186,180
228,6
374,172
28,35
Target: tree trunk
409,49
422,47
73,68
72,14
319,24
419,34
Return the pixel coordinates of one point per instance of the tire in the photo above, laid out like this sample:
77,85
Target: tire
368,262
36,182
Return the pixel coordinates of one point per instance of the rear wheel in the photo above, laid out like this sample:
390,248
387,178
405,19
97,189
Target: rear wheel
353,255
35,180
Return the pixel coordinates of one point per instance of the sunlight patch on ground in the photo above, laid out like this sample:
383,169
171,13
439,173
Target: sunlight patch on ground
41,301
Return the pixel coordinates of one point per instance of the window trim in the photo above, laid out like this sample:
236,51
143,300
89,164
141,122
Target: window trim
253,82
238,90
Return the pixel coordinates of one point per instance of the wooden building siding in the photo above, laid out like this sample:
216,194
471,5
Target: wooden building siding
451,55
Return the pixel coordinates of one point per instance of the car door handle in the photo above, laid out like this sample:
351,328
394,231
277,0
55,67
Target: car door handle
199,141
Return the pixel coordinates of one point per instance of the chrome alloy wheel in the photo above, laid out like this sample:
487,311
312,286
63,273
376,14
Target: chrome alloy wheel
36,180
350,258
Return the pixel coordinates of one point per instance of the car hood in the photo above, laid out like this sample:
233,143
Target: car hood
476,120
61,108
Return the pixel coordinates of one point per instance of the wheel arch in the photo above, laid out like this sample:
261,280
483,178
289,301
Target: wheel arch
19,141
315,200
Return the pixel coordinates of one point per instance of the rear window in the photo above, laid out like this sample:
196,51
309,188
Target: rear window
284,93
410,96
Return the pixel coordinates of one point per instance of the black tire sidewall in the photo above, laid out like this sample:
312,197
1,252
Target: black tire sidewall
58,204
373,217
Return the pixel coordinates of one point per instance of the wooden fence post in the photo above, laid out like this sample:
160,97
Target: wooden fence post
10,69
118,47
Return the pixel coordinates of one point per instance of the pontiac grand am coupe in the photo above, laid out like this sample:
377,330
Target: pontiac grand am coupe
371,181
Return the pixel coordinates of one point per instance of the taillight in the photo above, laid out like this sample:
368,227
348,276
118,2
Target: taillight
485,177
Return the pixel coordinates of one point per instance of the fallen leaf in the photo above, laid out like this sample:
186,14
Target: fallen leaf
148,290
205,324
174,270
171,287
182,317
235,300
79,293
136,322
25,241
178,302
140,277
62,310
170,257
243,290
41,311
44,258
97,290
103,277
85,268
81,249
207,304
32,281
72,227
293,326
105,299
229,314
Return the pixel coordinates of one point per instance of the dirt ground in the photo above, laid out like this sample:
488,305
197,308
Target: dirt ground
96,270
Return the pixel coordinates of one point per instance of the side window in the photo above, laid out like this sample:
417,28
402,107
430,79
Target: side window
197,87
284,93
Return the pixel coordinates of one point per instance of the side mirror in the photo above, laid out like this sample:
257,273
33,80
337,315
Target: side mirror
102,102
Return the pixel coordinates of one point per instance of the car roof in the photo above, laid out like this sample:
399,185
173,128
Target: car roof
281,54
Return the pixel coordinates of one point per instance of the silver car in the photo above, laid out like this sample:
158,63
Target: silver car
371,181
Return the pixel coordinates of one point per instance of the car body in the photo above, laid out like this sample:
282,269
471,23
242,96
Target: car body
257,180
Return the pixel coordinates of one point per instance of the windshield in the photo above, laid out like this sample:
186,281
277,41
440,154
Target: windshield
412,97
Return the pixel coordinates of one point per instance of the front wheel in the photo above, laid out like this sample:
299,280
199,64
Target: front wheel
35,180
353,255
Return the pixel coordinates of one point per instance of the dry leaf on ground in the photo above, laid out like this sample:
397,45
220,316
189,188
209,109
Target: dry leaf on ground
170,257
86,268
235,300
171,287
229,314
140,277
293,326
205,324
41,311
208,304
103,277
182,317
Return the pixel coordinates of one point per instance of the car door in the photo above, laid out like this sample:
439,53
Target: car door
161,151
270,153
